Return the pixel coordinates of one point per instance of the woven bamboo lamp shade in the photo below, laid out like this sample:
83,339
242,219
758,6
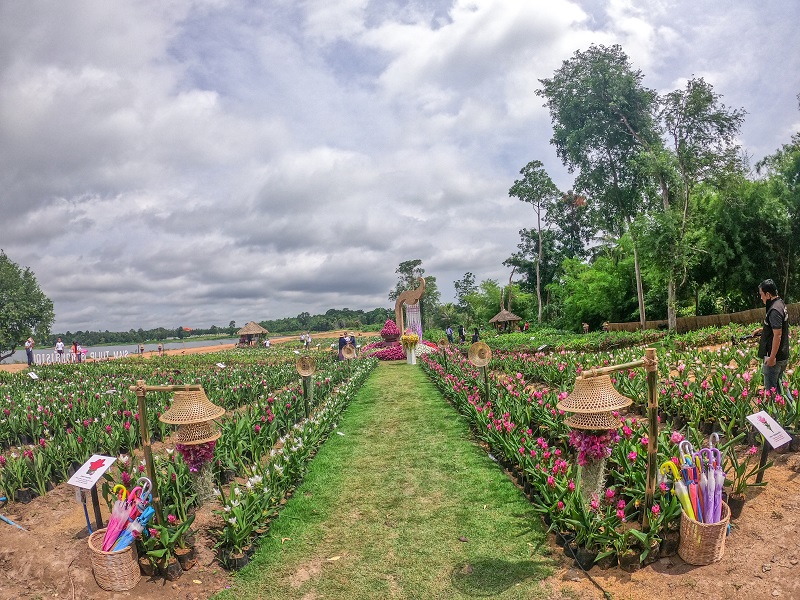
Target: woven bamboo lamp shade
196,433
479,354
191,406
592,403
193,413
305,365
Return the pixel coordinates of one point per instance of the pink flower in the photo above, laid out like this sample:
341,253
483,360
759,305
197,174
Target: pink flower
620,514
632,456
172,519
610,493
676,437
752,450
621,504
655,509
560,505
571,485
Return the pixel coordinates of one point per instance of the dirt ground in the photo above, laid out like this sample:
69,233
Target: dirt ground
51,559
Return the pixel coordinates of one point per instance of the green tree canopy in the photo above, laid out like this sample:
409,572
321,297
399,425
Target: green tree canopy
24,309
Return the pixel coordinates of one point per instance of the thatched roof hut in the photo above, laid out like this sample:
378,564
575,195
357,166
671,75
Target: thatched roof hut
252,328
504,319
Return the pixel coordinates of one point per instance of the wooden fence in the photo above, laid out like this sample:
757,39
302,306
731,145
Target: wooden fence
684,324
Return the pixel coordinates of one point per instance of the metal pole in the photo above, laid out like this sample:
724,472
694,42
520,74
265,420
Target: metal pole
98,517
763,461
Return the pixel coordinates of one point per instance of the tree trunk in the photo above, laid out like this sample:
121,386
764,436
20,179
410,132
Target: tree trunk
639,288
672,321
538,262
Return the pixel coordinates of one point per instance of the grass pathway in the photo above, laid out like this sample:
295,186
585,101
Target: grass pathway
401,505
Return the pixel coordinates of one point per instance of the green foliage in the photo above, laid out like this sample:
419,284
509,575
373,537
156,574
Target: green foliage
24,309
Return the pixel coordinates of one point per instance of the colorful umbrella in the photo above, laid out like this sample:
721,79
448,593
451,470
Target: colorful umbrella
134,528
118,518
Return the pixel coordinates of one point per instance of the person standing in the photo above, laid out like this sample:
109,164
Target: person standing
59,350
449,332
461,334
475,336
74,351
774,344
29,350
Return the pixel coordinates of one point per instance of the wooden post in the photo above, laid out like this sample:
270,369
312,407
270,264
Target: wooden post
307,389
763,461
98,517
651,367
144,431
486,384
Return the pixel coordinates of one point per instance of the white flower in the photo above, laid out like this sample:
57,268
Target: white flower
226,508
237,491
232,520
170,451
124,459
217,493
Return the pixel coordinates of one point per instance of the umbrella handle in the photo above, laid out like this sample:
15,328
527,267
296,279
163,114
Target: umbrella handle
686,450
123,493
713,440
145,485
670,466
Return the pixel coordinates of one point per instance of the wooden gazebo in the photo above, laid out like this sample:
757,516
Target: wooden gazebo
250,332
504,320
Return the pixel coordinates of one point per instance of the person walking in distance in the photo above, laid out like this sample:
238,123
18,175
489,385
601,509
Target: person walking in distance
29,344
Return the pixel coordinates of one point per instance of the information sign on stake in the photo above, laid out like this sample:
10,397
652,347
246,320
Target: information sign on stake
92,470
770,429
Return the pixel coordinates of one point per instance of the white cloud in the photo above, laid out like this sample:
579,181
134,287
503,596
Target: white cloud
196,162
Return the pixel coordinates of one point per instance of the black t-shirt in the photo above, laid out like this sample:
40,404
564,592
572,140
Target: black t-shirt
776,317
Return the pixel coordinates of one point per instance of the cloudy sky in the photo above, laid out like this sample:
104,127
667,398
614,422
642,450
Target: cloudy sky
189,163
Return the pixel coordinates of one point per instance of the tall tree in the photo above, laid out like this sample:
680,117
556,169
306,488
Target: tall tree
464,287
537,189
596,99
700,147
24,309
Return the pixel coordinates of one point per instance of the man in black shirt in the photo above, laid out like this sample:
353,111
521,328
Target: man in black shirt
774,344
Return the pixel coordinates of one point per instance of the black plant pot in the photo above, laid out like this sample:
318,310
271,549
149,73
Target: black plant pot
563,538
24,495
584,558
736,504
629,561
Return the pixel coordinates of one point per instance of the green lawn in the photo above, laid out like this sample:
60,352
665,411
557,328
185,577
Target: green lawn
401,505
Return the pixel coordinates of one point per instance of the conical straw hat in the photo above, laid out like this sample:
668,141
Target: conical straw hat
479,354
305,365
594,395
349,352
192,406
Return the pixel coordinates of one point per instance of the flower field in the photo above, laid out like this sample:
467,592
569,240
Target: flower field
52,424
699,391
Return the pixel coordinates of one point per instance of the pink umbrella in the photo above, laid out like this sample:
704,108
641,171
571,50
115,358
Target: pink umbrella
118,519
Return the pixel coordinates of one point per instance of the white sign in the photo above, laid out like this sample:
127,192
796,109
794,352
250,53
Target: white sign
33,375
769,428
91,471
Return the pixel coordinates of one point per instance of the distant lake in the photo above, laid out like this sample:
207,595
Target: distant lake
41,355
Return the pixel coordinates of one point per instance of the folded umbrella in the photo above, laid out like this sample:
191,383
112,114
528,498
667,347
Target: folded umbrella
118,518
133,528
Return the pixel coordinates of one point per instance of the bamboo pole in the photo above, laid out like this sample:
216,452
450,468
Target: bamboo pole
141,390
651,366
613,368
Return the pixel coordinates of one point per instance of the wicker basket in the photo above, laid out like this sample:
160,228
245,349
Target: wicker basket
703,543
114,571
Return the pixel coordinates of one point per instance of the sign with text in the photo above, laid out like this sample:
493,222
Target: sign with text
770,429
91,471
